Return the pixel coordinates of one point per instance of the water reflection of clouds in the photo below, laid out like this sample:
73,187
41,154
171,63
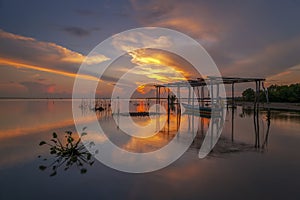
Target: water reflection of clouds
19,144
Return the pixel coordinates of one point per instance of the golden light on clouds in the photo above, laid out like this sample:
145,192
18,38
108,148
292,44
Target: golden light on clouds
141,89
29,53
89,60
144,67
44,69
158,66
139,40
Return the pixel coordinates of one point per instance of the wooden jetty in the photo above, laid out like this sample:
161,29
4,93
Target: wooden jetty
198,86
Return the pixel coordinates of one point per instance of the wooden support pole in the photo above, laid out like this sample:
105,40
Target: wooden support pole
202,96
232,95
193,97
258,92
178,93
212,92
189,97
159,95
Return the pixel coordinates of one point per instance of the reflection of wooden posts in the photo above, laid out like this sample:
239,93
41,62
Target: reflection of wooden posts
232,124
169,102
256,113
265,143
257,123
256,127
202,126
178,118
189,123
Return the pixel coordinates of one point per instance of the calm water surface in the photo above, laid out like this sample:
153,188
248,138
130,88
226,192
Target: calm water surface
246,163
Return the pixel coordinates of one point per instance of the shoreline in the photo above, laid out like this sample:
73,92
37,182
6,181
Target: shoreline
272,105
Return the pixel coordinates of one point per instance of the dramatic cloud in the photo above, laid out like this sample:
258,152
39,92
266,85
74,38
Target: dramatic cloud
271,60
129,41
24,52
179,15
259,42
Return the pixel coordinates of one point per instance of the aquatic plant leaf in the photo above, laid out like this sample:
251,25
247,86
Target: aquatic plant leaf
42,167
54,141
54,135
83,134
69,132
92,144
53,152
53,174
42,143
73,158
89,156
83,129
70,139
83,171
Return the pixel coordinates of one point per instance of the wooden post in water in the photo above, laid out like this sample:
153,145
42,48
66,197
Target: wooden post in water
189,97
232,95
211,92
193,96
178,94
202,96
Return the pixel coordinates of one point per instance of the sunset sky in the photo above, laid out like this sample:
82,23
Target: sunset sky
43,43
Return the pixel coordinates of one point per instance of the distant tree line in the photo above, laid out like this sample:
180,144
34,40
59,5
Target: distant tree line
276,93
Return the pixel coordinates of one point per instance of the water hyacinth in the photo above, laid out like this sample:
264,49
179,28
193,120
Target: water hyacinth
67,153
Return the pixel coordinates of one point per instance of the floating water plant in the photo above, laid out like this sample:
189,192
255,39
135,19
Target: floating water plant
67,153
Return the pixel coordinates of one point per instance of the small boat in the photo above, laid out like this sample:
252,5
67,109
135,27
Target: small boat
198,108
98,109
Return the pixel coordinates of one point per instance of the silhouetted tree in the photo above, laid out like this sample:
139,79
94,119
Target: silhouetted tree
276,93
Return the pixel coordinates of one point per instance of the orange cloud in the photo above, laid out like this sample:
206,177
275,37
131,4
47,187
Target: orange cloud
160,65
25,52
44,69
